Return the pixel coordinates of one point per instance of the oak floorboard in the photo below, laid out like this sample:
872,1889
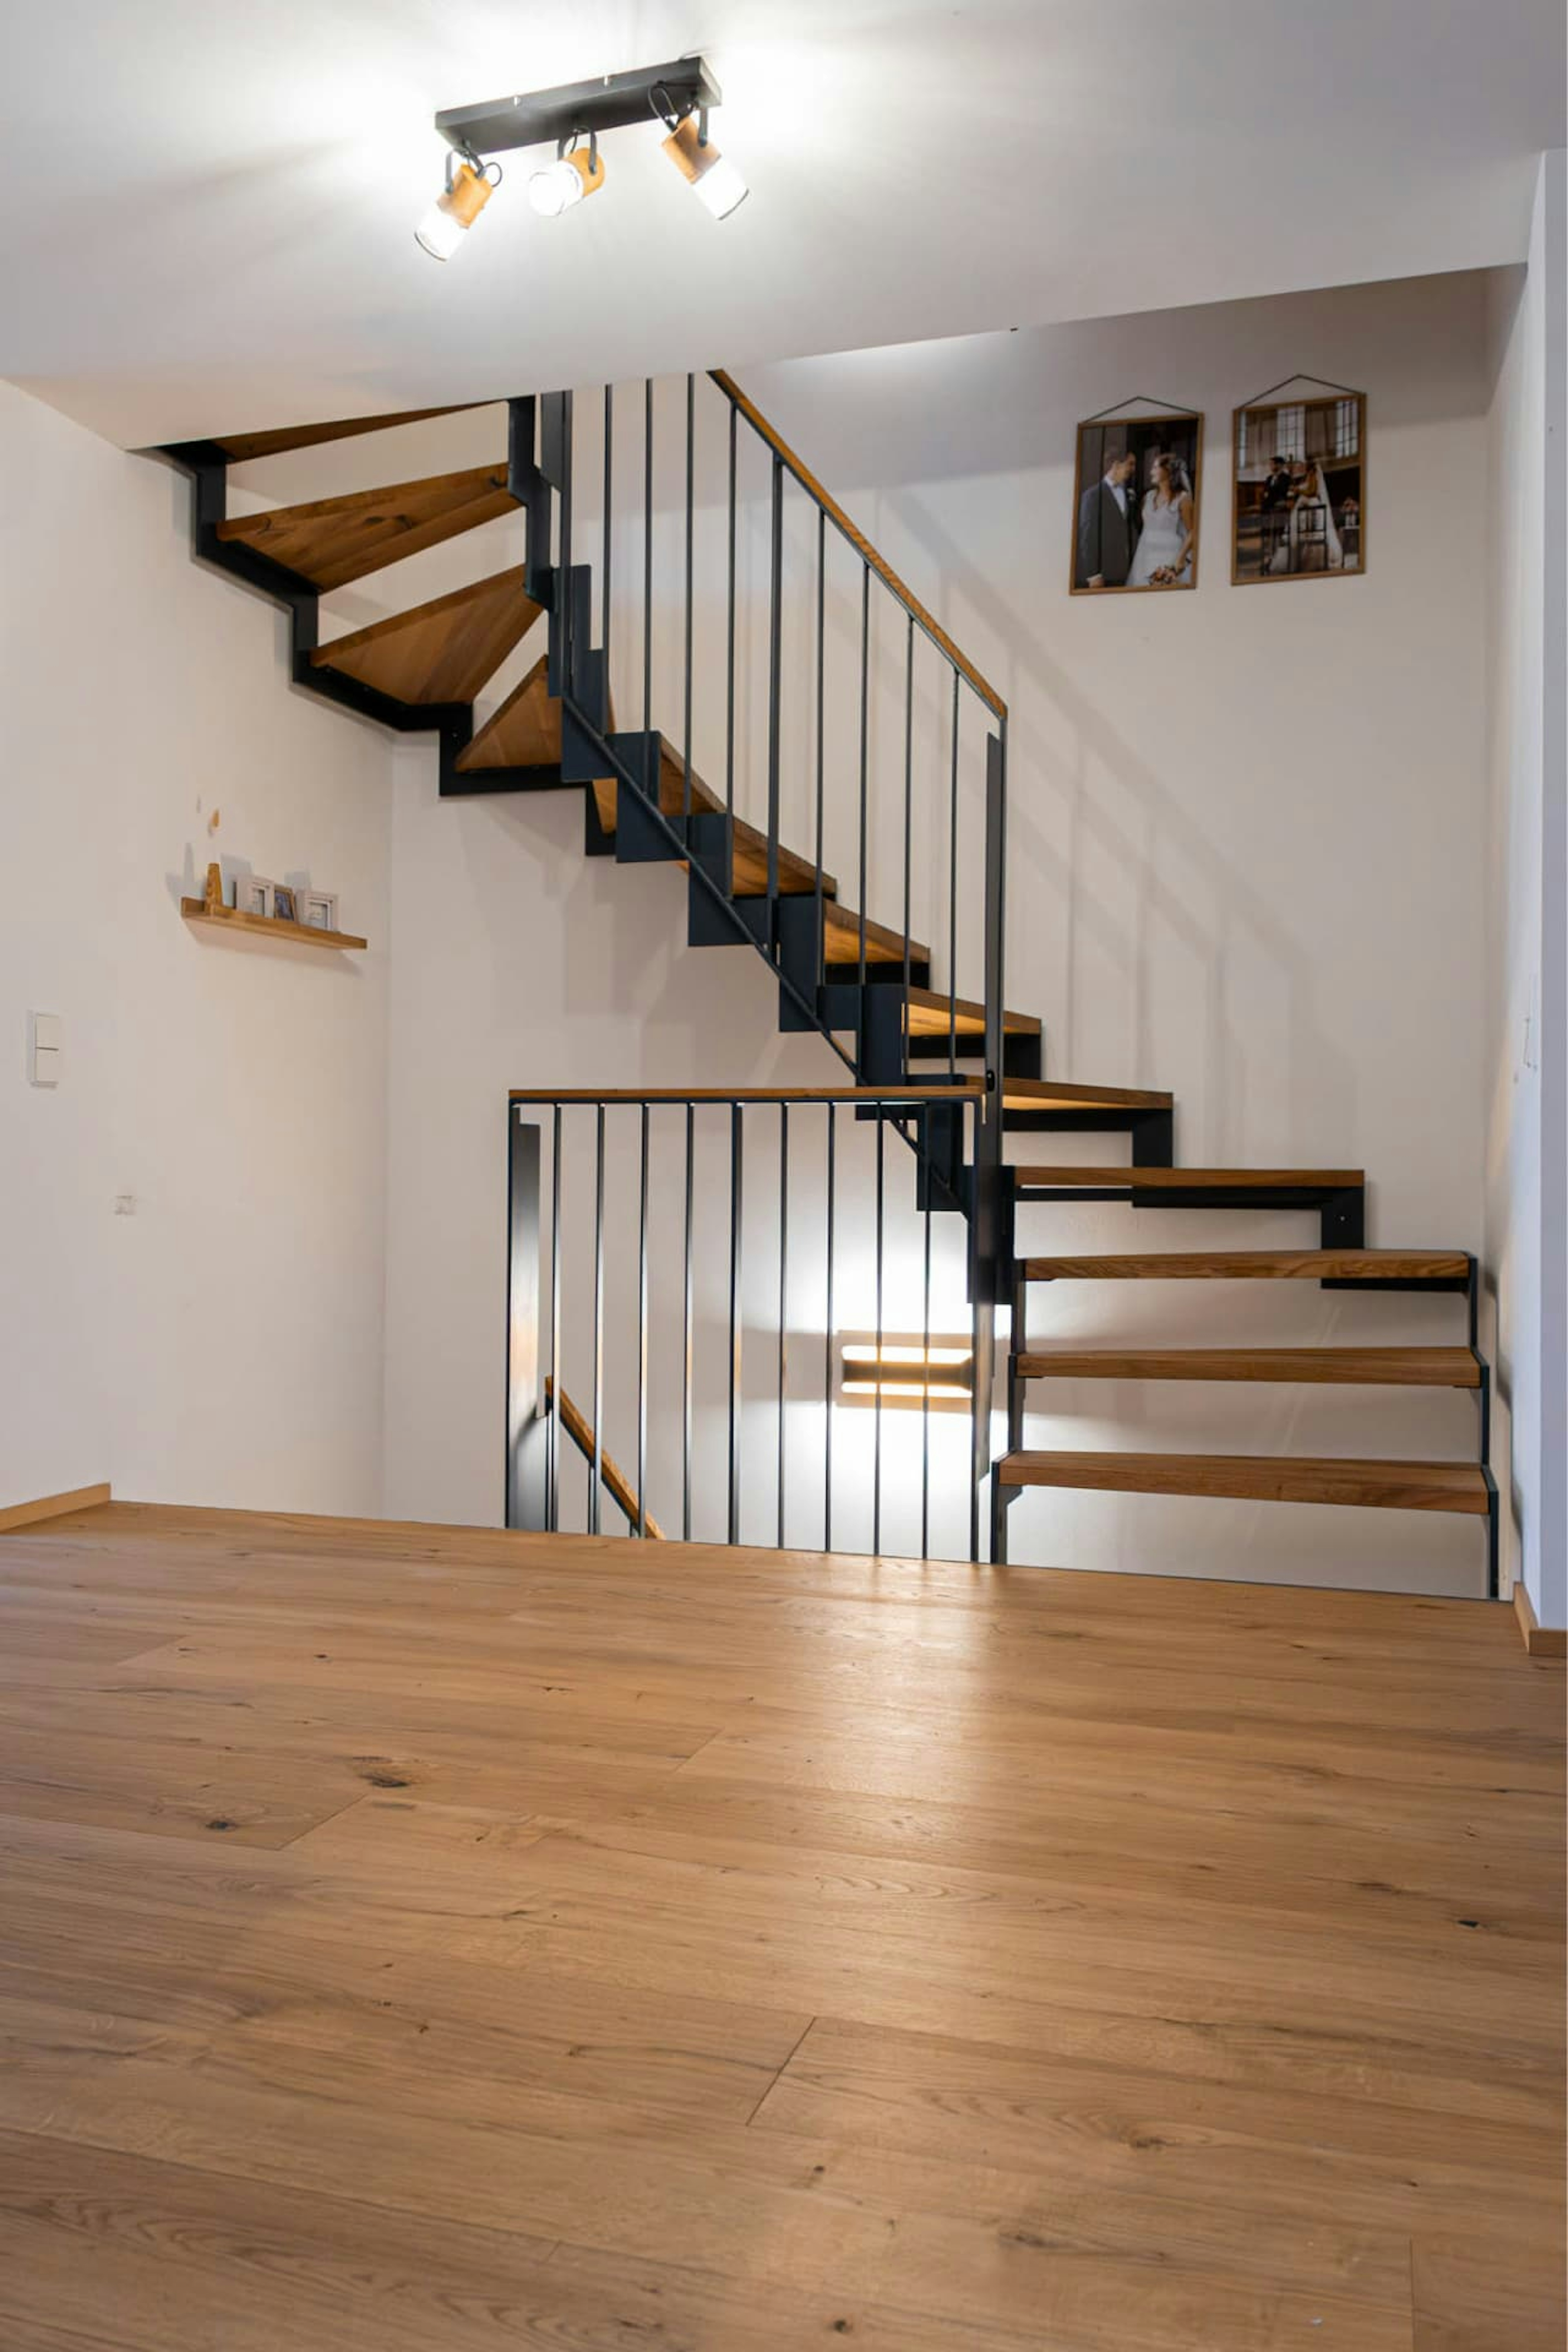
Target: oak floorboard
607,1944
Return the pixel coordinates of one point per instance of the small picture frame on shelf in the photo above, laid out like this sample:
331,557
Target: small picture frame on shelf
254,895
283,904
318,910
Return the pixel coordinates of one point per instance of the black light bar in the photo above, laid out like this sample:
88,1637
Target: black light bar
609,102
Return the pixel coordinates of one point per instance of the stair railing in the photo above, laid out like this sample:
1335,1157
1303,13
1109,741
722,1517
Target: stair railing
688,1264
897,1013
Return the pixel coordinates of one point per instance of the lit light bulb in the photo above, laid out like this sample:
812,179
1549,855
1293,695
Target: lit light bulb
560,186
440,233
716,182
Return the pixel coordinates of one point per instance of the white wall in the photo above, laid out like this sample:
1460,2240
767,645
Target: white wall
1249,842
1248,846
1527,1027
222,1342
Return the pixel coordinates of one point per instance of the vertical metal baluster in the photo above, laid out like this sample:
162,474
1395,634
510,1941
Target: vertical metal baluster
953,902
554,1517
908,800
642,1333
827,1349
690,483
877,1445
605,592
784,1299
686,1341
925,1349
982,1346
865,741
650,759
821,766
598,1320
730,642
775,690
737,1204
568,633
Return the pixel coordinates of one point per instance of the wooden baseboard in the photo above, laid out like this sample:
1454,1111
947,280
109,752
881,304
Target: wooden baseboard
52,1506
1540,1641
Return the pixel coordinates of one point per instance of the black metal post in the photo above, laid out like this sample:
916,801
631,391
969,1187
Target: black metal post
554,1519
952,898
865,743
828,1371
527,1441
651,753
737,1205
783,1301
925,1344
609,509
598,1390
686,1339
821,766
642,1329
909,804
876,1444
691,492
730,644
775,692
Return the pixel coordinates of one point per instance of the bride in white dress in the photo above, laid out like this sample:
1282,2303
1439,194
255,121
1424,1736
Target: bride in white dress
1311,541
1163,556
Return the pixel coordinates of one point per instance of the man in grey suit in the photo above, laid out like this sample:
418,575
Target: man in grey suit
1108,526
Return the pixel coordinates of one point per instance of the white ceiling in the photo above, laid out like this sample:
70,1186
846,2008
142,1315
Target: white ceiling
210,206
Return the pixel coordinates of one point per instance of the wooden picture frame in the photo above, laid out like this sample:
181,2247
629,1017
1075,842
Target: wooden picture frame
1103,441
1276,532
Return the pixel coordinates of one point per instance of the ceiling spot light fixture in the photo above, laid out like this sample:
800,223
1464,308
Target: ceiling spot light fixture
713,180
577,172
679,95
467,191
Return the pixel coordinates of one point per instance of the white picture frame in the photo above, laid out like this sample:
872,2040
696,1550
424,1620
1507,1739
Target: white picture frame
317,909
255,894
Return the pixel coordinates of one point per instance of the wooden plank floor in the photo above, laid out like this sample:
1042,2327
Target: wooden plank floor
430,1940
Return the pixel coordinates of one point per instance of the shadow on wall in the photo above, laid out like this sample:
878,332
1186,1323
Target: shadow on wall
1166,841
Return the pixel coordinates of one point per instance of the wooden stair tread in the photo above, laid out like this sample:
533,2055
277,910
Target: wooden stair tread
1257,1265
238,446
439,652
1445,1368
929,1013
1192,1180
1054,1094
748,860
330,542
671,790
525,732
841,940
1256,1478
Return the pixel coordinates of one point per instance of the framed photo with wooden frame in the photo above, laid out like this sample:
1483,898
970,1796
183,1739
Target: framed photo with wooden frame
1300,486
1136,492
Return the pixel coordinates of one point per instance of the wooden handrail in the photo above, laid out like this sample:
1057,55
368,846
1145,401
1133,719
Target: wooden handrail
612,1477
880,565
962,1091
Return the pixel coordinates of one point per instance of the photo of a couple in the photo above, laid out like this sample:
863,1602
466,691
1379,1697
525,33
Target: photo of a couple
1136,504
1300,499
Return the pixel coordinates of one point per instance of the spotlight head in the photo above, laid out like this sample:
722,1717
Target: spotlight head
466,193
714,182
577,172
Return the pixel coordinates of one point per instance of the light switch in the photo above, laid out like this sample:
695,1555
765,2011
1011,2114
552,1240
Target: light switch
45,1039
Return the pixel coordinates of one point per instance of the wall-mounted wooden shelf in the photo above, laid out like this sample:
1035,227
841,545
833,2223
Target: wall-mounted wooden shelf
267,926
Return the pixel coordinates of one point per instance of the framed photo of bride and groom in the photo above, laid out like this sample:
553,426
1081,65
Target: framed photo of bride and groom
1298,495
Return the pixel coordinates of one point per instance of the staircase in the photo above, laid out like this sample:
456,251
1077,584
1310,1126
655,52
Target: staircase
886,1003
